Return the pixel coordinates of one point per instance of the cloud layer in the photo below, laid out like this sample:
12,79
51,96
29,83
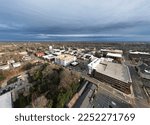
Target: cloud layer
48,19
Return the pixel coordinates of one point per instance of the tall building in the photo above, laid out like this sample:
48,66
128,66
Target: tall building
117,75
6,100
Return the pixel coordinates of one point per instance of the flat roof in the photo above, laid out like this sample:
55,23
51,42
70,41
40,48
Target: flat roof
114,70
112,50
114,55
6,101
48,56
137,52
65,57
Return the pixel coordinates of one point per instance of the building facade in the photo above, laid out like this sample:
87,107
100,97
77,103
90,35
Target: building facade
117,75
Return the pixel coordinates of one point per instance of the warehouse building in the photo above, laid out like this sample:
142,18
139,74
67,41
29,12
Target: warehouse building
115,51
65,59
112,51
116,56
138,55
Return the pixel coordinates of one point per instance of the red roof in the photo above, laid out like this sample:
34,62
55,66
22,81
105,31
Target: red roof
40,54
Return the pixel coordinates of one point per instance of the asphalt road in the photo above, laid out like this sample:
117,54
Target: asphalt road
136,83
104,99
112,91
140,97
116,93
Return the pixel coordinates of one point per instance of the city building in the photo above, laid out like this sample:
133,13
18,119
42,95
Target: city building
95,62
114,55
93,58
24,53
17,64
57,53
10,61
117,75
106,51
118,58
138,55
87,56
4,67
49,57
92,65
65,59
40,54
6,100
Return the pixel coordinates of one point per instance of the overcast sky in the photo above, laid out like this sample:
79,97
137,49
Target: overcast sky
55,19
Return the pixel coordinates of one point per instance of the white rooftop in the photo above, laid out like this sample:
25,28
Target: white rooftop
50,56
137,52
17,64
114,70
6,101
96,61
114,55
112,50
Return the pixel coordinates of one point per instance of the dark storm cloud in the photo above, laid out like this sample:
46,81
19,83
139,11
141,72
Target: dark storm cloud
46,19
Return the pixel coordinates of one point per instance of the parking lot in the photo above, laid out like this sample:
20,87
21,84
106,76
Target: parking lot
103,99
81,67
